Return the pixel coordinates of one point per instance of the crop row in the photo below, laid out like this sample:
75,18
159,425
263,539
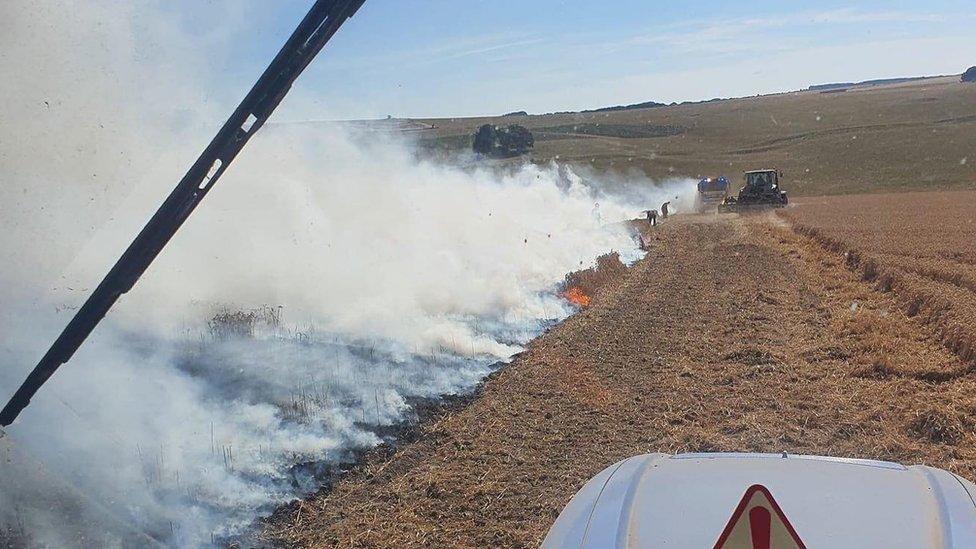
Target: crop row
926,267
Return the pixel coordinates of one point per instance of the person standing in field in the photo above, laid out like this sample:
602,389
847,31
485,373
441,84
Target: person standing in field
652,217
664,209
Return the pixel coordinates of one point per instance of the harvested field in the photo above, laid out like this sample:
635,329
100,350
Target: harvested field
733,334
920,246
914,226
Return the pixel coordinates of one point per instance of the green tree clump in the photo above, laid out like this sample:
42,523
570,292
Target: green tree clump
502,142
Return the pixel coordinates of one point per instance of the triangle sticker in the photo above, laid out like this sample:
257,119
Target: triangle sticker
758,523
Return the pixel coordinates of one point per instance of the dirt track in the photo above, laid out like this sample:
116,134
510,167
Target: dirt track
733,334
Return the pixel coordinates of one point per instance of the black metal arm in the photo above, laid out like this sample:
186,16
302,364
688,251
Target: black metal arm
323,20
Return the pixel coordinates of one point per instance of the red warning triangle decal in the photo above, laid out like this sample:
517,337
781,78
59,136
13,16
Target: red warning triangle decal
758,523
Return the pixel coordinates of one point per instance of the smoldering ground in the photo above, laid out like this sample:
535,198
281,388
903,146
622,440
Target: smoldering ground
327,280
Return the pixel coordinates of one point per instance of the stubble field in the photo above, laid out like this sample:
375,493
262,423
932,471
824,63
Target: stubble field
837,326
919,246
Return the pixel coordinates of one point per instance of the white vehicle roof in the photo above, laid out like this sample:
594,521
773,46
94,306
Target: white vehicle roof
687,500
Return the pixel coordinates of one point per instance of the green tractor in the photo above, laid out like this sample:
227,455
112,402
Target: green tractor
761,192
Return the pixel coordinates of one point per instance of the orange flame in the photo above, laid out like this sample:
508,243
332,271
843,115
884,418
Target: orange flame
576,296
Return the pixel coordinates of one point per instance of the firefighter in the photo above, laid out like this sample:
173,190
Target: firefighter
652,217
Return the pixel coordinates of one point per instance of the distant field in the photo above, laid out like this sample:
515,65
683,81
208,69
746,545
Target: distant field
906,136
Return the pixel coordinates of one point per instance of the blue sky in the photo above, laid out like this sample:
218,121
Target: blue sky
440,58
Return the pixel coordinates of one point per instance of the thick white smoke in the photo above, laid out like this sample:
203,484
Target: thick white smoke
365,278
395,278
359,237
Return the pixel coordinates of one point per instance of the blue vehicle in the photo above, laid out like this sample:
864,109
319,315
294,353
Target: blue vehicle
711,193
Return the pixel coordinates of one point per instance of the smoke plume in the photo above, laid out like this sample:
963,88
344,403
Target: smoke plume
326,283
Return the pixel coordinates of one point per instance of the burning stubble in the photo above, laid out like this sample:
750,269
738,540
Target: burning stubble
292,325
328,283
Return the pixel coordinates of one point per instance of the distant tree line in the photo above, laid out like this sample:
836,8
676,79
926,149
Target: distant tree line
502,142
644,105
875,82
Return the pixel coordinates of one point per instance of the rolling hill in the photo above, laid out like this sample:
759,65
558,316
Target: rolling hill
910,135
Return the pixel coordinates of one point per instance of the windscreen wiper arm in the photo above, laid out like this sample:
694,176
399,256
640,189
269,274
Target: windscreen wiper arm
322,21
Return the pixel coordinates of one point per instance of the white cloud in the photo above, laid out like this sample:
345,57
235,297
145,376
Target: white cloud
852,15
733,35
492,47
